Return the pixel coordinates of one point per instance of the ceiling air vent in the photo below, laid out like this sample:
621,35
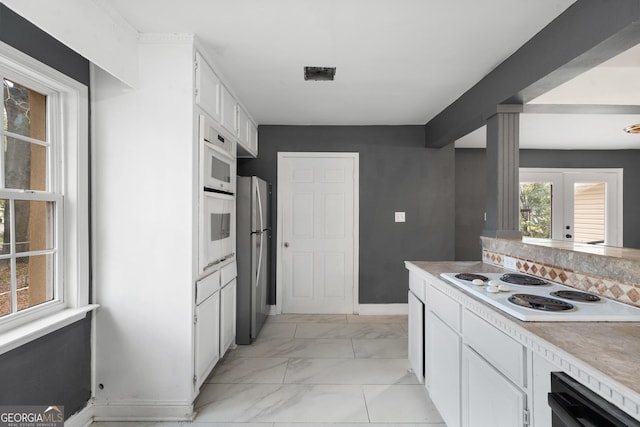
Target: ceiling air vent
319,73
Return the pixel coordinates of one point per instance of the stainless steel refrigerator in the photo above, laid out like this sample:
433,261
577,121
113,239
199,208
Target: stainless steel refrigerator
253,234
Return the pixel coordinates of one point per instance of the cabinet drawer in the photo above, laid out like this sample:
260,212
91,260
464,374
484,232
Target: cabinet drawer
417,285
207,286
504,353
228,273
444,307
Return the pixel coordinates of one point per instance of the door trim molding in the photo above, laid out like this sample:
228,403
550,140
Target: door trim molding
356,220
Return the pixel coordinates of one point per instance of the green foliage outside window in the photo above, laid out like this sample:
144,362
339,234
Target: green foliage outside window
535,209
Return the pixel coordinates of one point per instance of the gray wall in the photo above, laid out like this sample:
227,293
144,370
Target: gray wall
396,174
55,369
470,203
469,209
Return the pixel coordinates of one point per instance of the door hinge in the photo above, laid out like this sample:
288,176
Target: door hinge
526,418
195,92
195,64
195,380
195,319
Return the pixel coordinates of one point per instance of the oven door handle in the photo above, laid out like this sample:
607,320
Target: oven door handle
560,408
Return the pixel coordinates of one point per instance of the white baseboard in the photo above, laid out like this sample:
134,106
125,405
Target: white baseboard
82,418
142,411
273,310
370,309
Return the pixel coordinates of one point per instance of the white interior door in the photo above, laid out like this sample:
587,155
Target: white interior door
317,232
583,205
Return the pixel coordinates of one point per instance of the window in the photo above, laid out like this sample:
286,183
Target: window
577,205
43,197
29,202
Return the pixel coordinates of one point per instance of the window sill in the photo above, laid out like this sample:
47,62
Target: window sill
38,328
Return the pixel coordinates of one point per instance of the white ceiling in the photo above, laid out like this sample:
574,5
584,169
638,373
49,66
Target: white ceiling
398,61
614,82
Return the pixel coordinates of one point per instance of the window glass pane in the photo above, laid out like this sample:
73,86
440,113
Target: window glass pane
535,209
33,278
25,165
589,212
33,225
24,110
5,287
5,234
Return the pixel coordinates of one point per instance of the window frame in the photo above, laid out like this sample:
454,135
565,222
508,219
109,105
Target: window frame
68,135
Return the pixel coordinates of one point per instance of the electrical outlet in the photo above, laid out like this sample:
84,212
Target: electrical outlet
400,217
509,263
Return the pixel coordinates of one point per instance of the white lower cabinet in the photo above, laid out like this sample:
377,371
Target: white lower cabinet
227,316
443,368
476,374
416,336
540,387
489,398
207,338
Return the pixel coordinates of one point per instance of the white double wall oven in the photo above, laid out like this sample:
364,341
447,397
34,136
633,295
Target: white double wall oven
217,216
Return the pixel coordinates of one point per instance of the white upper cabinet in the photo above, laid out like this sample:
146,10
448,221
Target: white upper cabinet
228,108
208,89
243,127
247,135
253,137
218,102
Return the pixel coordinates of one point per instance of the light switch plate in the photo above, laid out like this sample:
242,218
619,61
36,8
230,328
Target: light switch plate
400,217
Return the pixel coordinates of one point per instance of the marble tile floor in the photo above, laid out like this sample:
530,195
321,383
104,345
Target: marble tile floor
315,370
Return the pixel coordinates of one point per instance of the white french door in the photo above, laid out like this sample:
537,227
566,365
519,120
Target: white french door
579,205
317,232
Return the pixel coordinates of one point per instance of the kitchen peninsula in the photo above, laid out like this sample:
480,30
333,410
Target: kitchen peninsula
511,360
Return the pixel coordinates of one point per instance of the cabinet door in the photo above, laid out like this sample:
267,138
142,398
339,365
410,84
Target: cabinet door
227,316
207,336
243,128
416,336
489,398
443,369
541,386
228,109
207,88
253,138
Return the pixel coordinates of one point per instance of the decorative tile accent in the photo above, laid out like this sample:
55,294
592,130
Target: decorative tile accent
625,292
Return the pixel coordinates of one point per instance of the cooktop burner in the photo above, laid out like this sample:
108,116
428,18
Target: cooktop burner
471,276
538,302
547,303
576,296
521,279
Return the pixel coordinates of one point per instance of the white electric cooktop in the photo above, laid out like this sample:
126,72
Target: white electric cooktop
543,301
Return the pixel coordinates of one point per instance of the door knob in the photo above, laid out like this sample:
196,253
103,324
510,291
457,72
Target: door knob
286,244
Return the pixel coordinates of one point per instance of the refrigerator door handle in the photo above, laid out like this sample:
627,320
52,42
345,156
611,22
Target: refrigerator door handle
260,233
259,199
259,259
